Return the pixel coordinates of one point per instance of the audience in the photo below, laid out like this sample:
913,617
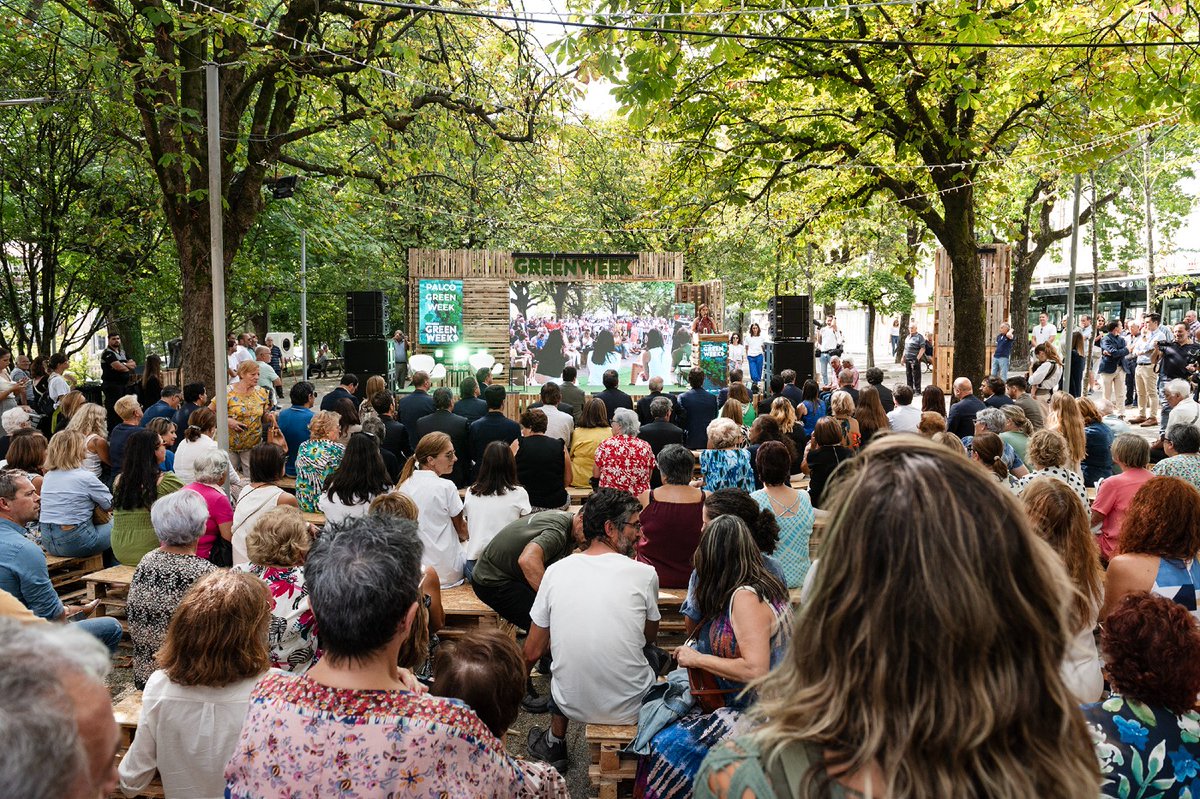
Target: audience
71,497
672,517
904,417
317,459
194,703
841,411
624,461
886,668
870,414
995,393
414,406
266,467
811,409
790,429
961,419
735,411
216,544
559,423
987,450
699,409
470,406
591,429
130,414
543,464
660,432
1048,455
823,455
89,420
495,500
1065,419
1132,454
1017,430
494,425
1182,447
293,422
358,479
276,549
1017,388
195,397
764,429
931,423
440,509
793,510
726,461
932,399
454,427
166,430
135,492
994,420
164,575
199,437
874,377
1098,440
612,396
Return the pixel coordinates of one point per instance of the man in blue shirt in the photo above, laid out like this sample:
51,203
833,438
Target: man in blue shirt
195,397
293,422
172,398
699,407
1003,351
23,571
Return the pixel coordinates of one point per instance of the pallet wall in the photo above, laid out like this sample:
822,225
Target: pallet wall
996,274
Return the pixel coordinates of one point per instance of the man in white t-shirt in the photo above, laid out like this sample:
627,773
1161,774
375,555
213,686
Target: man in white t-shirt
596,611
1044,331
59,387
829,340
904,418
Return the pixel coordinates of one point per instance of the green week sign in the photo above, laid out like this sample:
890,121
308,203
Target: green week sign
574,265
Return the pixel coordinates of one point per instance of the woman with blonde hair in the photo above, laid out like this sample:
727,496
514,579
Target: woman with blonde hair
318,458
841,410
1065,419
735,411
890,686
1062,523
70,496
70,402
249,414
92,421
1048,456
790,425
194,703
375,385
440,521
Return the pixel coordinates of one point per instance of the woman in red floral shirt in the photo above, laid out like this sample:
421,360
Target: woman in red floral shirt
624,461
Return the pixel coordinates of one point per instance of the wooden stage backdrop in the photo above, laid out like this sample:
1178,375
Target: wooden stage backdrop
487,273
995,262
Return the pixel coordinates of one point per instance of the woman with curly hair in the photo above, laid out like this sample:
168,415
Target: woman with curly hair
1160,539
1062,523
902,679
1152,652
1049,456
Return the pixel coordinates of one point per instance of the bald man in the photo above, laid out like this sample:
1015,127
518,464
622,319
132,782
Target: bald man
961,419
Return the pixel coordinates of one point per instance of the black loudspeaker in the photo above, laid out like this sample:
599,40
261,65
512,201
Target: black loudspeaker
799,356
365,357
790,317
366,314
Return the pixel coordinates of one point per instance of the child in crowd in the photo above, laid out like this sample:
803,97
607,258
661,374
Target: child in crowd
485,669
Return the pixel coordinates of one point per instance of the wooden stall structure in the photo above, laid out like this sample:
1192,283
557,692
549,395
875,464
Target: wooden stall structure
486,275
996,274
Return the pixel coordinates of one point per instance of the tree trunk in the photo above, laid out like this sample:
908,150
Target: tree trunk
870,335
958,237
195,269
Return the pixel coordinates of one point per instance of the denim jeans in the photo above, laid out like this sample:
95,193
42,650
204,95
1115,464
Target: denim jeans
85,538
104,628
824,359
755,362
1000,367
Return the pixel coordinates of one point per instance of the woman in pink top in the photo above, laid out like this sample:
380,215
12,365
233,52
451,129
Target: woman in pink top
1132,453
211,469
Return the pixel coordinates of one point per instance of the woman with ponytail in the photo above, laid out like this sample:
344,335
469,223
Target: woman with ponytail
439,507
987,449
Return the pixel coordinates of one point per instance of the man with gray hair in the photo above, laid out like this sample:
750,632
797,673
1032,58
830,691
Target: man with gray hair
659,433
656,391
268,378
1180,407
56,719
457,427
994,420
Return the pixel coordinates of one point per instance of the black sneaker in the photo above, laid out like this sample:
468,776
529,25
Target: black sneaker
532,703
540,749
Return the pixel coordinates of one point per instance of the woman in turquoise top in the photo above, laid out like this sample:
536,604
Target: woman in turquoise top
726,462
318,458
792,510
733,588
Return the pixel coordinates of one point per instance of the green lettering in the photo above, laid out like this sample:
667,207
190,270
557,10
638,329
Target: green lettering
520,265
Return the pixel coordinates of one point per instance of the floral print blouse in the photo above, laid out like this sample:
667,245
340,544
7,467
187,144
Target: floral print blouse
291,637
247,409
625,463
726,468
1145,751
316,459
302,738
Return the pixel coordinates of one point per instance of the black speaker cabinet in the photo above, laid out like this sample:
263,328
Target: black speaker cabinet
366,314
790,316
799,356
366,357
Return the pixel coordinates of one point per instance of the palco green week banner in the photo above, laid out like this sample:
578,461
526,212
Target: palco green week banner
440,304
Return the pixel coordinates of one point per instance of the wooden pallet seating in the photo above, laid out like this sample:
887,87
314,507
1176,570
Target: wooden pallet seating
611,771
67,574
127,711
466,612
111,587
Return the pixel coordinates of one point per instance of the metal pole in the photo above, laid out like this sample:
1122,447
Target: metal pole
1146,189
304,303
1069,327
216,245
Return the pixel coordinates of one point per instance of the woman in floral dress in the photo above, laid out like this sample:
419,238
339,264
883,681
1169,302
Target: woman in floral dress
318,458
624,461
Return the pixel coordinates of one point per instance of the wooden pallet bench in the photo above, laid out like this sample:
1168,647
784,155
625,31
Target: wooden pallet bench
611,771
127,713
67,574
316,518
111,587
288,484
466,612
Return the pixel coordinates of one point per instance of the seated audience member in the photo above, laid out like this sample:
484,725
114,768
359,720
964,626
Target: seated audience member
165,428
595,612
591,430
824,453
950,442
961,419
931,424
793,392
734,589
1158,547
89,420
870,414
318,458
993,420
904,417
791,429
1065,419
841,410
672,518
199,437
470,405
27,454
195,397
655,385
764,429
725,463
699,408
612,396
987,450
23,572
1098,438
395,437
294,421
1182,446
212,469
660,432
359,478
874,377
276,548
266,467
70,496
739,392
543,464
846,378
1017,388
1063,524
776,385
14,419
68,406
624,461
376,385
349,422
1152,654
493,425
130,413
734,411
993,392
793,510
1048,456
933,400
453,426
495,500
810,409
1017,430
164,576
439,507
195,702
57,721
871,654
1132,453
135,491
560,423
363,585
166,406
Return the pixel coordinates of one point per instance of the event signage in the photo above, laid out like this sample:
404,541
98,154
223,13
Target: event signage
581,265
440,304
714,361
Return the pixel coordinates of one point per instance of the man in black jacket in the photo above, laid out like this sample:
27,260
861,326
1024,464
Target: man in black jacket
660,432
411,408
875,379
656,390
395,437
701,408
790,389
735,376
443,421
494,426
349,384
764,405
611,396
572,395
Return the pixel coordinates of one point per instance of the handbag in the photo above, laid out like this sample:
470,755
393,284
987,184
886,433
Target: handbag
705,690
100,515
221,553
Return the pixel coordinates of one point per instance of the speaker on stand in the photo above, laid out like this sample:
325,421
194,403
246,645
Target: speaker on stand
790,318
365,357
366,314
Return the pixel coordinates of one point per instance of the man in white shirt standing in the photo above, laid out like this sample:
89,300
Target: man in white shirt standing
904,417
1044,331
1144,377
830,339
596,611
